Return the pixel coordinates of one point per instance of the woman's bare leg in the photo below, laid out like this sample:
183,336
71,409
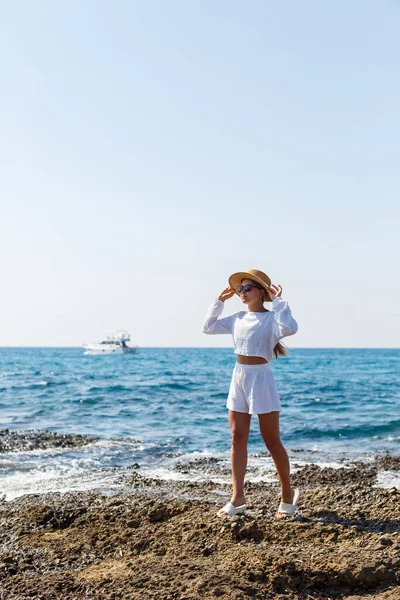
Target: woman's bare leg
269,427
240,427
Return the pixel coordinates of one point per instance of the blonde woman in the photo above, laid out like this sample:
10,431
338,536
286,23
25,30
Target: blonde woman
256,336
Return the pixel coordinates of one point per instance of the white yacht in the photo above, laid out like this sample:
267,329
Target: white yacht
114,342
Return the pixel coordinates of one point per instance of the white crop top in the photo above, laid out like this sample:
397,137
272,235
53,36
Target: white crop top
254,333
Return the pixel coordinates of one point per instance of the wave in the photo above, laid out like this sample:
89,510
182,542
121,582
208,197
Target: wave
110,388
350,432
178,386
36,385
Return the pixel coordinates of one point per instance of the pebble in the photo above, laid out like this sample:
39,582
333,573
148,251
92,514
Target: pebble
385,541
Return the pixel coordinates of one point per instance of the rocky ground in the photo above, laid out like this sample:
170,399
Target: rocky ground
162,540
13,441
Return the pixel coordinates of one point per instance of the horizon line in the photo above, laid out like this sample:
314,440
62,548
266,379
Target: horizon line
213,347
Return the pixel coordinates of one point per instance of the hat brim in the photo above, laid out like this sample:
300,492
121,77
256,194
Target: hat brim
236,279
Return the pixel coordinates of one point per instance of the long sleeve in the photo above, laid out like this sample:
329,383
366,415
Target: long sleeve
284,322
213,325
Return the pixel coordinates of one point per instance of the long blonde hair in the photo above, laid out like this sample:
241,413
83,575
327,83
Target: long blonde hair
280,349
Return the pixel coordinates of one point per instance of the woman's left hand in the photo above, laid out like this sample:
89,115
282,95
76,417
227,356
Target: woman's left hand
275,291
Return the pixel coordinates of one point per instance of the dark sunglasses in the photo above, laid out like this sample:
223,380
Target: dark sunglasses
246,288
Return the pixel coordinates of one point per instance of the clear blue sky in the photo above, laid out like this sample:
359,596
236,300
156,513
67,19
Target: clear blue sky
149,149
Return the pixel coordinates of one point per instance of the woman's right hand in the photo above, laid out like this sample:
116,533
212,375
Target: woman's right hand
226,294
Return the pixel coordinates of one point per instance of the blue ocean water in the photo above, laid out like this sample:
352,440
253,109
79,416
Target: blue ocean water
163,405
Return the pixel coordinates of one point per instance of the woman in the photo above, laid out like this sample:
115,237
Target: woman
256,334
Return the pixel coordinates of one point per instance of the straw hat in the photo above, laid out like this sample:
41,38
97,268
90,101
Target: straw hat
254,274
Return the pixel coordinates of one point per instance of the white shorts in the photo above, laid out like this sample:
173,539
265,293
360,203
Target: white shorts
253,390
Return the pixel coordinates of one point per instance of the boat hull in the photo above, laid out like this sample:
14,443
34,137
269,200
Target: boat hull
97,349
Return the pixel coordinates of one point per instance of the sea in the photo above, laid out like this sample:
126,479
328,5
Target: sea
161,411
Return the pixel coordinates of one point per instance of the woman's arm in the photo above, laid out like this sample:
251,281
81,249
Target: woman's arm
284,322
213,325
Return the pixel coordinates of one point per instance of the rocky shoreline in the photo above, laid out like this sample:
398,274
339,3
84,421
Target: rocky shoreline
17,441
162,540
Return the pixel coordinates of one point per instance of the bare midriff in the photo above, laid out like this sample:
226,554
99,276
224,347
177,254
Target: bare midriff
250,360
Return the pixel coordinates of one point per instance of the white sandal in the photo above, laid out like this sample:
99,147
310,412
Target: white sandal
289,509
231,510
